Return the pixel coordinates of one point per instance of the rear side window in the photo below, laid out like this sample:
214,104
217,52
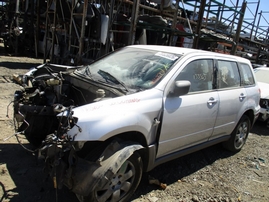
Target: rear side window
246,75
227,74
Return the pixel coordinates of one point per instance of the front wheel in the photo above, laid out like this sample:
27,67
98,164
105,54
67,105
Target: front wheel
239,135
121,186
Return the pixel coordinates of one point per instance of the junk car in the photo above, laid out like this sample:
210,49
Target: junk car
99,126
262,77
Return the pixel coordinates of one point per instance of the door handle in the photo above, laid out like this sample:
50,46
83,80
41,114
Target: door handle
212,101
242,96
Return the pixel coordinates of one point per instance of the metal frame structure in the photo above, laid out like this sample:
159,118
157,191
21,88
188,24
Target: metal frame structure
69,31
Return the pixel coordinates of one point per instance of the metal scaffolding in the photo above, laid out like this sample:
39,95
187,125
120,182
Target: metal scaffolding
78,32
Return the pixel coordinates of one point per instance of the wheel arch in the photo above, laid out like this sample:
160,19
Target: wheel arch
112,153
251,116
130,136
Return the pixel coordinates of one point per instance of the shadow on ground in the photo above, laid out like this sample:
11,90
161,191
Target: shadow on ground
260,129
18,65
30,182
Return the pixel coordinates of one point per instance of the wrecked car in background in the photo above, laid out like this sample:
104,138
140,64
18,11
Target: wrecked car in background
99,126
262,77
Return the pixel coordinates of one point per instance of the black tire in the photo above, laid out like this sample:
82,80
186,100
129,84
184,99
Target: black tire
123,184
239,135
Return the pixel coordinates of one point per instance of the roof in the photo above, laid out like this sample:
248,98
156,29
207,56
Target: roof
187,51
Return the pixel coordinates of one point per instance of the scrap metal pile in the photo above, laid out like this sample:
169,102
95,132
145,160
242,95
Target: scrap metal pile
77,32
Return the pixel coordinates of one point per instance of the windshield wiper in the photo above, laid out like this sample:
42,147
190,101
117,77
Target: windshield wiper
88,72
109,77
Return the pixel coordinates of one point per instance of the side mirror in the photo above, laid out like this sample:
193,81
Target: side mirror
180,88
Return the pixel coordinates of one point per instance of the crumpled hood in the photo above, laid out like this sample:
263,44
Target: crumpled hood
264,90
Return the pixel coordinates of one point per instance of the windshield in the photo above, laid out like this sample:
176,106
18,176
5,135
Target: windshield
131,68
262,75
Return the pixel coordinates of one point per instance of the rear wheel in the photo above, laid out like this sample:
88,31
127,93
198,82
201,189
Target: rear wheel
239,135
121,186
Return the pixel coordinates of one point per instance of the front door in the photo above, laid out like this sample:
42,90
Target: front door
189,120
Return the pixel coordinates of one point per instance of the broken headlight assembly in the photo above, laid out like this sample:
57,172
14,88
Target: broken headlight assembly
264,103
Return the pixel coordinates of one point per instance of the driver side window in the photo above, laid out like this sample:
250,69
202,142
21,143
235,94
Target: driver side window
199,73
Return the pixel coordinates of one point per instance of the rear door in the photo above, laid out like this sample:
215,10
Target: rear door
189,120
233,98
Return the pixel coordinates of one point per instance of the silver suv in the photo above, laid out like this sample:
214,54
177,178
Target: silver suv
100,126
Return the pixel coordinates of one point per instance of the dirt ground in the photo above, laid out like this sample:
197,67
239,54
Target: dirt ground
210,175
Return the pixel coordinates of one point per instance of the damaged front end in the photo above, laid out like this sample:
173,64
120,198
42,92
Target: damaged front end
43,112
37,104
58,149
83,175
49,90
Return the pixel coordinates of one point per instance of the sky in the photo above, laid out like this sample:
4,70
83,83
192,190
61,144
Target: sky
252,6
249,17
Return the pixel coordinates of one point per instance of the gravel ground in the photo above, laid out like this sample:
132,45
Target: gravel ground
210,175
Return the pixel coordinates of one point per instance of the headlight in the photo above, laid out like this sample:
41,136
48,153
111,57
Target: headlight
264,103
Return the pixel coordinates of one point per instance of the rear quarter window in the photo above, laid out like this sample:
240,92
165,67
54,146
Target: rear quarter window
246,75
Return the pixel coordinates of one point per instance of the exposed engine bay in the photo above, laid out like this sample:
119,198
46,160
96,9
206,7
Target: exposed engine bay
48,91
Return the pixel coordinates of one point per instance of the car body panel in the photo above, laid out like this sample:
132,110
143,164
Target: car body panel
231,108
253,99
264,89
262,77
102,120
181,114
